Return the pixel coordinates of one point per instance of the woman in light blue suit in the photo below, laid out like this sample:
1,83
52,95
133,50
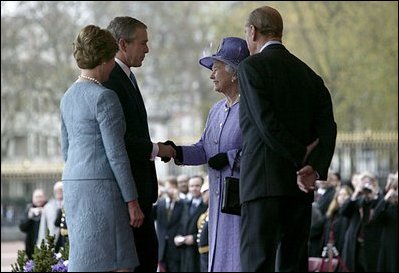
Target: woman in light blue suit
100,195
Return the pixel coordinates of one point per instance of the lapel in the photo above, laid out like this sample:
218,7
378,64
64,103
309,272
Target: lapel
133,93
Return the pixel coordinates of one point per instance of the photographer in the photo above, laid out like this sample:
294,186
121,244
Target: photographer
386,213
362,239
31,221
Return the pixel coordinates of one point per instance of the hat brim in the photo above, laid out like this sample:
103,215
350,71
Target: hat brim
208,62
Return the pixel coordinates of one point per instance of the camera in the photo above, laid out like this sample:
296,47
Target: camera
367,188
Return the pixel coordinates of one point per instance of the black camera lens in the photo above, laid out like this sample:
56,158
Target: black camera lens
366,190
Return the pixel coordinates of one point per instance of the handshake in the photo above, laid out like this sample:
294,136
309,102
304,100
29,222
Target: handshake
168,150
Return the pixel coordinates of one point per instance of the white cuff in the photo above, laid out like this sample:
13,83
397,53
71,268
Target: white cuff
155,150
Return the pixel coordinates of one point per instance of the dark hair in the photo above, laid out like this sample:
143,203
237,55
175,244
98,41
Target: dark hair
93,46
266,20
125,27
172,180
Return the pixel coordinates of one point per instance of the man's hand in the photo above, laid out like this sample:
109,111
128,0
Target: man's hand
179,240
166,159
166,151
179,153
306,178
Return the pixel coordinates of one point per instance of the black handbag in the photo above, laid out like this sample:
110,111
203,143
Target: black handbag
231,193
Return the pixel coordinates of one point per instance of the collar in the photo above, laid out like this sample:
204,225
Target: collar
197,201
269,43
124,67
234,103
169,202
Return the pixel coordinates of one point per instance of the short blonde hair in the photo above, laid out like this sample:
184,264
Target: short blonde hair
93,46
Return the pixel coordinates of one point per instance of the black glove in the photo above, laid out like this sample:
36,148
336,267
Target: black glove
218,161
179,153
166,158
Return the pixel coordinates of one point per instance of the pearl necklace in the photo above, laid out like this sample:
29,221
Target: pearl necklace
90,79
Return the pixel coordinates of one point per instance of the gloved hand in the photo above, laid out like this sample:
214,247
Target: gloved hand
166,158
218,161
179,153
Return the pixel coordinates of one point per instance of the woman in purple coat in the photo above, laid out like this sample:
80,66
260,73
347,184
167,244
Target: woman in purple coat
220,142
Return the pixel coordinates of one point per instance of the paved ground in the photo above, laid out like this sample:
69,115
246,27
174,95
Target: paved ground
9,252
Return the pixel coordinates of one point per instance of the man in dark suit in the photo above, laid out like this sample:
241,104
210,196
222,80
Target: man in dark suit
289,136
187,235
168,212
131,36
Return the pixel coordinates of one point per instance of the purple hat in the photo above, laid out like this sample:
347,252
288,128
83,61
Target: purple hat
231,51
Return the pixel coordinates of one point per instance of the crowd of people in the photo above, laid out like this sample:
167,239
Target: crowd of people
274,129
40,219
353,220
356,219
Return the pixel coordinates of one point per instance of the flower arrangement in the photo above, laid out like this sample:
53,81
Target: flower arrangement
44,258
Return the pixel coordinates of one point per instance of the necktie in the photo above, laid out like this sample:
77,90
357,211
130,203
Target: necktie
169,210
193,207
133,79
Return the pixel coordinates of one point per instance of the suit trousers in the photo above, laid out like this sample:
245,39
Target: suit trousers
274,234
146,241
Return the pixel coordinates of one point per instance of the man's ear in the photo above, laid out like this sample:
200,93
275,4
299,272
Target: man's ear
252,33
122,44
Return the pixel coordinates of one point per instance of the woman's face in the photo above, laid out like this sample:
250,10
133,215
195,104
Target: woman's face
222,80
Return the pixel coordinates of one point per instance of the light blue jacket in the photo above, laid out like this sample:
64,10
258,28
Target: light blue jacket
93,146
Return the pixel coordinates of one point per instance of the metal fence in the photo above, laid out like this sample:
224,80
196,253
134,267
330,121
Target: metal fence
376,152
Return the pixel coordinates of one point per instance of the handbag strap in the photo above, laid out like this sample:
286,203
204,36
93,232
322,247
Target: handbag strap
236,160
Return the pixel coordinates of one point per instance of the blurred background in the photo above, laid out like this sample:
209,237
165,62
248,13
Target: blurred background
353,46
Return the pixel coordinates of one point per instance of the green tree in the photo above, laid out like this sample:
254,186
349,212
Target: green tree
354,47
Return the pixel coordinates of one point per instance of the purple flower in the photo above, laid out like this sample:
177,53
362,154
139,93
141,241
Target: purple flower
29,266
61,266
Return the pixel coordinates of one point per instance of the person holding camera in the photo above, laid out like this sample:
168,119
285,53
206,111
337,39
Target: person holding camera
386,213
362,239
31,222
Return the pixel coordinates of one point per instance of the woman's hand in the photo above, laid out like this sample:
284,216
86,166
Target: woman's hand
135,213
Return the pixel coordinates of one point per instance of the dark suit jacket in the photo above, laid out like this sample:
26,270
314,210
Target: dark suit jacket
137,137
284,106
190,259
168,229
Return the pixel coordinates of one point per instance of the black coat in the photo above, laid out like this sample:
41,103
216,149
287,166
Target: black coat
336,227
354,209
284,106
386,213
30,226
